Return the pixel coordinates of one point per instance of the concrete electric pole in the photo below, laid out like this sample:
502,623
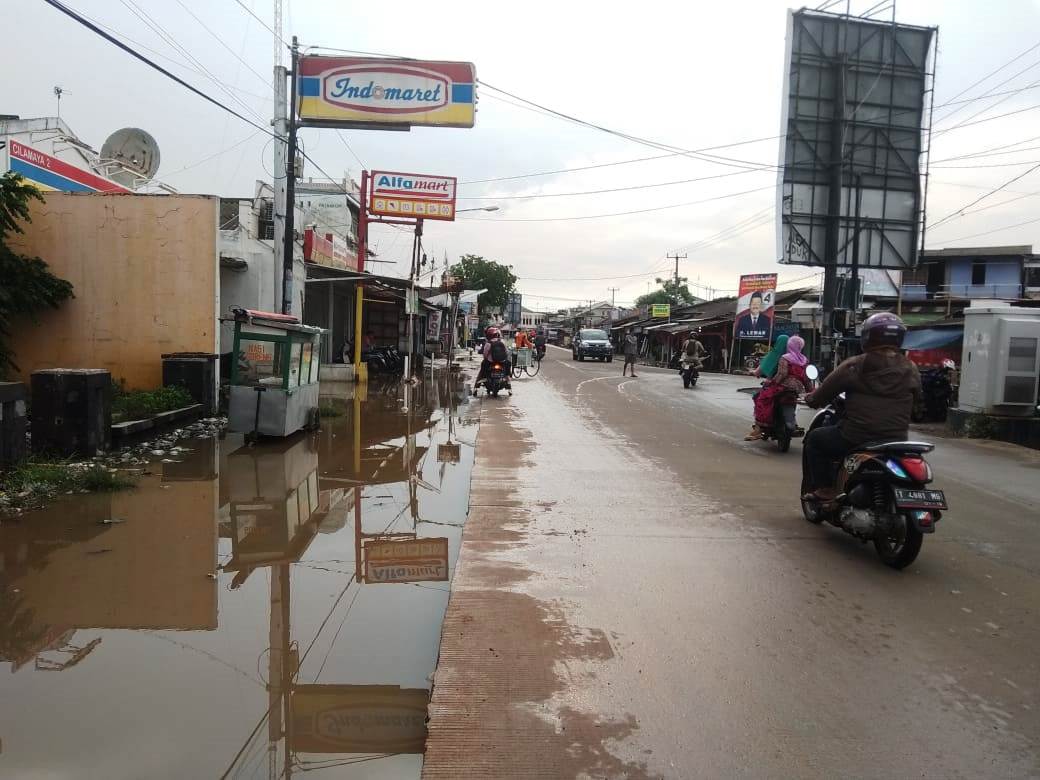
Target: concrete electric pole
280,124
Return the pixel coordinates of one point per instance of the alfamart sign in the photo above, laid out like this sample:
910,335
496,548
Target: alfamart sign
412,195
368,91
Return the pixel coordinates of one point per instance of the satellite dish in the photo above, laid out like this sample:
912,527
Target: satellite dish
130,155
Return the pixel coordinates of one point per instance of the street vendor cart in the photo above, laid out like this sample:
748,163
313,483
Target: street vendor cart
274,374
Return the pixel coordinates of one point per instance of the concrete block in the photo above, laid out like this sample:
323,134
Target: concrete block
12,423
71,411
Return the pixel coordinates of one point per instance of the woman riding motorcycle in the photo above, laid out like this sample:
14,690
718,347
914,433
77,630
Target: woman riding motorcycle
880,386
494,350
789,377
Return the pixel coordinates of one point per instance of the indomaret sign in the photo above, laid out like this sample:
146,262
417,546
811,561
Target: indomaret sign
412,195
369,92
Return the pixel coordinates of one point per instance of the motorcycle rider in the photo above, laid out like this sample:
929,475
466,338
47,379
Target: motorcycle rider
539,344
693,351
494,351
881,386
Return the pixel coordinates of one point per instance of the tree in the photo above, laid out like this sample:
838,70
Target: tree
477,273
671,291
28,285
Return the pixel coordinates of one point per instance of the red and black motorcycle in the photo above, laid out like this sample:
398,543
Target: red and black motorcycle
883,494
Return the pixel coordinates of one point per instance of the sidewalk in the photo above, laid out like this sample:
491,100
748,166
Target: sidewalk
512,667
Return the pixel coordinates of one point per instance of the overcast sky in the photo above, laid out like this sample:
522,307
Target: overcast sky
692,75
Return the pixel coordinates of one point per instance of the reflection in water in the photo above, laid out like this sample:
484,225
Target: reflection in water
325,558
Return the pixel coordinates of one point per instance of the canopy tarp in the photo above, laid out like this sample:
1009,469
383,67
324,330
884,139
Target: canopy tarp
932,338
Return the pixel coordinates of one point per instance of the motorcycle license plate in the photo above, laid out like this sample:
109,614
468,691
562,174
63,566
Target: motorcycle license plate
920,499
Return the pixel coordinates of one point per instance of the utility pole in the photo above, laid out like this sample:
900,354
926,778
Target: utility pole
833,232
612,291
676,257
281,131
290,190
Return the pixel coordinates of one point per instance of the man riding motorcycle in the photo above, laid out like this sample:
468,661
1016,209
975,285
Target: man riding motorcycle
693,351
494,351
881,386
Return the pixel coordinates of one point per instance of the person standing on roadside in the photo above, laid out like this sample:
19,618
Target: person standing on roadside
631,347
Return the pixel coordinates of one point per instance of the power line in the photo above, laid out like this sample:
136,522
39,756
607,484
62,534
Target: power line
268,27
264,79
609,190
159,30
618,213
990,232
116,42
994,191
989,75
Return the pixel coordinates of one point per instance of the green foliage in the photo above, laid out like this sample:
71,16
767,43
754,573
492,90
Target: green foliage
36,481
142,404
28,285
671,291
477,273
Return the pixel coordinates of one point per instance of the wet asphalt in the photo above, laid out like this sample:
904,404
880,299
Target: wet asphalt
693,624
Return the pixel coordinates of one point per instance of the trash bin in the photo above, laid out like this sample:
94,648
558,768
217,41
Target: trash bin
71,411
196,372
12,423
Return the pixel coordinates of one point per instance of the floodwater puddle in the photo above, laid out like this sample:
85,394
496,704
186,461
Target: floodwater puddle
250,611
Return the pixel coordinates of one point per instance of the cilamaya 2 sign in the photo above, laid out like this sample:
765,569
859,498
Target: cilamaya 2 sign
361,91
412,195
49,173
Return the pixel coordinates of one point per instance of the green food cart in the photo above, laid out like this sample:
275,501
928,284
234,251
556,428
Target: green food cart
274,374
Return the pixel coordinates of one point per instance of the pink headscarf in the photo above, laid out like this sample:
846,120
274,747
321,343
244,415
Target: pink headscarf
794,351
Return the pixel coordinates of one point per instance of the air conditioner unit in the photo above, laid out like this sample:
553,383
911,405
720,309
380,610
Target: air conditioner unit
1000,364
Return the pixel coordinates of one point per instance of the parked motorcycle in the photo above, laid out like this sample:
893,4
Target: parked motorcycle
937,390
883,494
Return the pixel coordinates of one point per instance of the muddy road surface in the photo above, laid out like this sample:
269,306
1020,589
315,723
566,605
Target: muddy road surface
638,595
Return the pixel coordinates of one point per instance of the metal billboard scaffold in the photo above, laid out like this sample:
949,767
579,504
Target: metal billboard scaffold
856,126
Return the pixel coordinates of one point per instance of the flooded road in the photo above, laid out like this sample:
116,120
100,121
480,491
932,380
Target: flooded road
250,611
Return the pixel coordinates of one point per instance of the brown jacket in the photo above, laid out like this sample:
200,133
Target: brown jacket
880,390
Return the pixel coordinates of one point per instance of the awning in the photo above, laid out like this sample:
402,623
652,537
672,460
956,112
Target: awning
932,338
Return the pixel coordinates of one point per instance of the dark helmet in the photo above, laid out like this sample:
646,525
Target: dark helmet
492,332
883,329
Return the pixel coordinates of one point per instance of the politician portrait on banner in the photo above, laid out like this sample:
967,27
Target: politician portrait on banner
755,307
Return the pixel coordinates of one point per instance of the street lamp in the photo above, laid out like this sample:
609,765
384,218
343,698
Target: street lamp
482,208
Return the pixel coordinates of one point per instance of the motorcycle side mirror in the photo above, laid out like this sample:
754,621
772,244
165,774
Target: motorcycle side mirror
812,372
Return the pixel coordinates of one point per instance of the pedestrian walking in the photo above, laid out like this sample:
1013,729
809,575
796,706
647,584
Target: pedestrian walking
631,353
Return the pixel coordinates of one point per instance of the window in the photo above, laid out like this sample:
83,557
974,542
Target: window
978,274
294,364
1022,355
259,363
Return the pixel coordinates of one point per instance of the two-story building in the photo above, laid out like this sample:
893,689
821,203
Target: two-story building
962,274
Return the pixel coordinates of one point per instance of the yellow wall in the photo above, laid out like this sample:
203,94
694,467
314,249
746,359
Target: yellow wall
145,273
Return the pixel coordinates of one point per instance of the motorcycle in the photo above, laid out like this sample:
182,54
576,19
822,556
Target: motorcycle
690,372
784,427
883,495
937,392
496,381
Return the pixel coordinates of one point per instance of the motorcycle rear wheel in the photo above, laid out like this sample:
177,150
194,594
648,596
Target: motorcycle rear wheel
899,553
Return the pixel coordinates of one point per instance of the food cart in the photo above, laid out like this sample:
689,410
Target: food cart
274,374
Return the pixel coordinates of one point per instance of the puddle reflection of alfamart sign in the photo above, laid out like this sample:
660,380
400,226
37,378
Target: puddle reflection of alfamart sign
406,560
359,719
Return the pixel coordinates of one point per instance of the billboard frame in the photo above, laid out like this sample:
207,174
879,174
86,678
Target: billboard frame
874,190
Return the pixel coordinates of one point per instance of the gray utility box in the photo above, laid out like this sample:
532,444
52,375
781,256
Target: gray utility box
12,423
71,411
1001,359
196,372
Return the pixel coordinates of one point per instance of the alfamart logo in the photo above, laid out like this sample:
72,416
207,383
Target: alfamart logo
388,90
